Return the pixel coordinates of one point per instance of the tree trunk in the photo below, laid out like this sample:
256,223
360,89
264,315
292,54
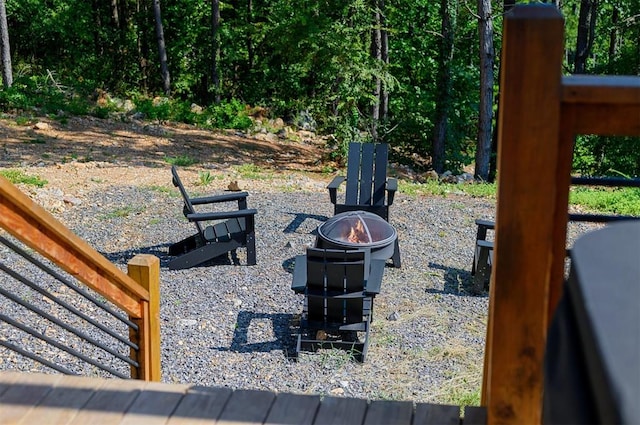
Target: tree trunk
483,149
443,99
613,35
584,40
215,49
115,15
376,54
5,49
250,52
384,47
162,51
142,45
507,5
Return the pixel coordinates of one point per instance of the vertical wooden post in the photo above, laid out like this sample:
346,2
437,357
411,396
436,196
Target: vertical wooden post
527,162
145,269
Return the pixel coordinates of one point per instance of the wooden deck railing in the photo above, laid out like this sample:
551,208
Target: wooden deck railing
541,112
136,293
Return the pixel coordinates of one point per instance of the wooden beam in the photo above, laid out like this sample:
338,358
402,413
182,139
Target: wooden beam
145,269
527,156
604,119
38,229
601,89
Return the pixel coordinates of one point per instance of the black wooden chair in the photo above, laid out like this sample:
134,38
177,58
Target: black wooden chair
482,256
367,187
339,287
219,232
483,253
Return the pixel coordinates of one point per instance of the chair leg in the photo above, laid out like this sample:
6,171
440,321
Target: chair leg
251,249
396,255
483,267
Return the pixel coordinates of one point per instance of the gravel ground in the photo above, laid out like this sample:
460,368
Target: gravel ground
234,325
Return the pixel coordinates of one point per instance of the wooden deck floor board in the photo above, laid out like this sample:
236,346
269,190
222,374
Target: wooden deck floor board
293,409
32,398
247,406
64,401
338,410
436,414
108,406
389,412
200,405
154,404
24,394
6,379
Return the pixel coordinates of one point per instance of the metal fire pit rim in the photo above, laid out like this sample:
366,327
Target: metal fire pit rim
354,245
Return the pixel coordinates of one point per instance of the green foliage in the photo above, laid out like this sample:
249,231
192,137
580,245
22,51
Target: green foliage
287,57
122,212
17,176
624,201
601,155
435,187
230,114
251,172
205,178
181,160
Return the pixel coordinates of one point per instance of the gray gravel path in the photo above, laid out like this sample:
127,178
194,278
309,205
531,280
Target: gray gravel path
232,325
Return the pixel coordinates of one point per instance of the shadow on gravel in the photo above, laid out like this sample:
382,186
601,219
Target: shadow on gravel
289,264
299,218
161,251
456,281
254,333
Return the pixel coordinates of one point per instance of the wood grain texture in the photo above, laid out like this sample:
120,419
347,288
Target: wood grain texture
529,125
39,398
145,270
38,229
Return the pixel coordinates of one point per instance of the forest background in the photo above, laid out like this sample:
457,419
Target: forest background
420,75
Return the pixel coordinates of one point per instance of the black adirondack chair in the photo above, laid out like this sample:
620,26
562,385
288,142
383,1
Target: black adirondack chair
219,232
367,187
339,287
482,256
483,253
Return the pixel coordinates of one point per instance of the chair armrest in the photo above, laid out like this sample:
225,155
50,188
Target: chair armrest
485,244
221,215
483,227
333,188
392,187
299,282
227,197
485,223
376,271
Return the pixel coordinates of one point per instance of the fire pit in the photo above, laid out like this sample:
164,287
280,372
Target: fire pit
356,230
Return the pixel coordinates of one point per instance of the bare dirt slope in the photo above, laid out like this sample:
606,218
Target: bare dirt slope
86,149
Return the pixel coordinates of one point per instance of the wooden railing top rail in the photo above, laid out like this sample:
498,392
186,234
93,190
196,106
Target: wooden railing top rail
38,229
609,89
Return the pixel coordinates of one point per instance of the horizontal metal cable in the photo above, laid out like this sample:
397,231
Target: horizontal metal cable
62,347
66,327
68,283
600,218
68,306
606,181
36,358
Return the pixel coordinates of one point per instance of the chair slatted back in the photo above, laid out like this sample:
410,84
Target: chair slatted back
330,274
366,174
188,206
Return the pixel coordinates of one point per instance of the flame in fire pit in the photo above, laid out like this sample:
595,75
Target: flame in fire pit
355,229
357,233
